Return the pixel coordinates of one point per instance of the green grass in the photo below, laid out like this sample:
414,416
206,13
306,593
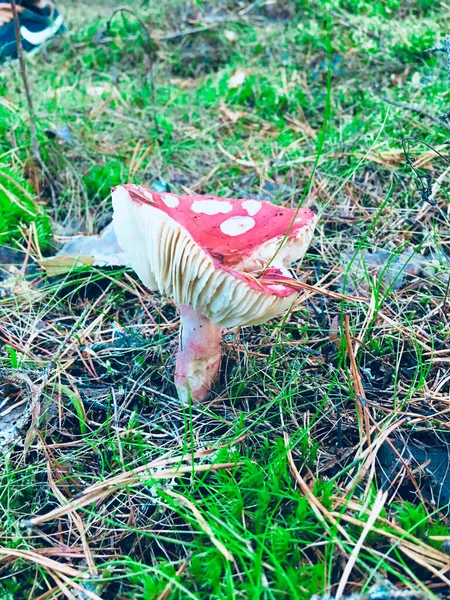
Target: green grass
311,122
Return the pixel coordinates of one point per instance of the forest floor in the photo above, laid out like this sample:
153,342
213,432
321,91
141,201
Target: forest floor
321,465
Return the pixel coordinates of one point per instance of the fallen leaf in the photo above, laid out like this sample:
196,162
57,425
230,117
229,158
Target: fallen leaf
430,464
16,273
237,79
62,133
15,284
393,268
334,332
187,83
98,90
58,265
230,36
17,403
100,250
232,115
105,148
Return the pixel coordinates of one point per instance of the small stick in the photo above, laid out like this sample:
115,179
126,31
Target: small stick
418,111
446,50
33,134
148,41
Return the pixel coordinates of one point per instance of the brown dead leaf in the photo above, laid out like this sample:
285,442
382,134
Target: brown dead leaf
106,148
302,126
58,265
18,285
187,83
334,333
232,116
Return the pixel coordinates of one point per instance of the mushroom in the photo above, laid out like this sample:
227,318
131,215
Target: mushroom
222,260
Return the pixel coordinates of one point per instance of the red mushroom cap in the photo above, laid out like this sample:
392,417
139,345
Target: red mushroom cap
207,252
228,229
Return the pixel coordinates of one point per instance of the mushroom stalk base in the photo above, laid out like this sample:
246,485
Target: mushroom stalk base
199,355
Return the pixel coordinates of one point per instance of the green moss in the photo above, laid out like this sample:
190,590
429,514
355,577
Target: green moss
18,207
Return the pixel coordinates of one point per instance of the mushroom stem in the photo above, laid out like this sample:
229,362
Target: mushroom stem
199,355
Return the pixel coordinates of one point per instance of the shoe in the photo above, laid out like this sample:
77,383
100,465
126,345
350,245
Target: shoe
37,25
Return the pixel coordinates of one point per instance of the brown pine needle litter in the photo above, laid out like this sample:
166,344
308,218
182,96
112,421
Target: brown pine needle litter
99,492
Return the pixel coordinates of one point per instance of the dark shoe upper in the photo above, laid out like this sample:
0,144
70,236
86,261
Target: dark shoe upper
37,25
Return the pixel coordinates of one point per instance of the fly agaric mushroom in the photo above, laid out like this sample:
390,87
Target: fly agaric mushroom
208,254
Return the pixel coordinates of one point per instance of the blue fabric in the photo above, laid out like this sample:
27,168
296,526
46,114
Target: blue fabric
35,20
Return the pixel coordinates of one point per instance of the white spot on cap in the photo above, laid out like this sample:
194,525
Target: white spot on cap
237,225
169,200
147,195
252,206
211,207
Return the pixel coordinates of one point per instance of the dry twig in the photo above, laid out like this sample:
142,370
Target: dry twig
26,86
